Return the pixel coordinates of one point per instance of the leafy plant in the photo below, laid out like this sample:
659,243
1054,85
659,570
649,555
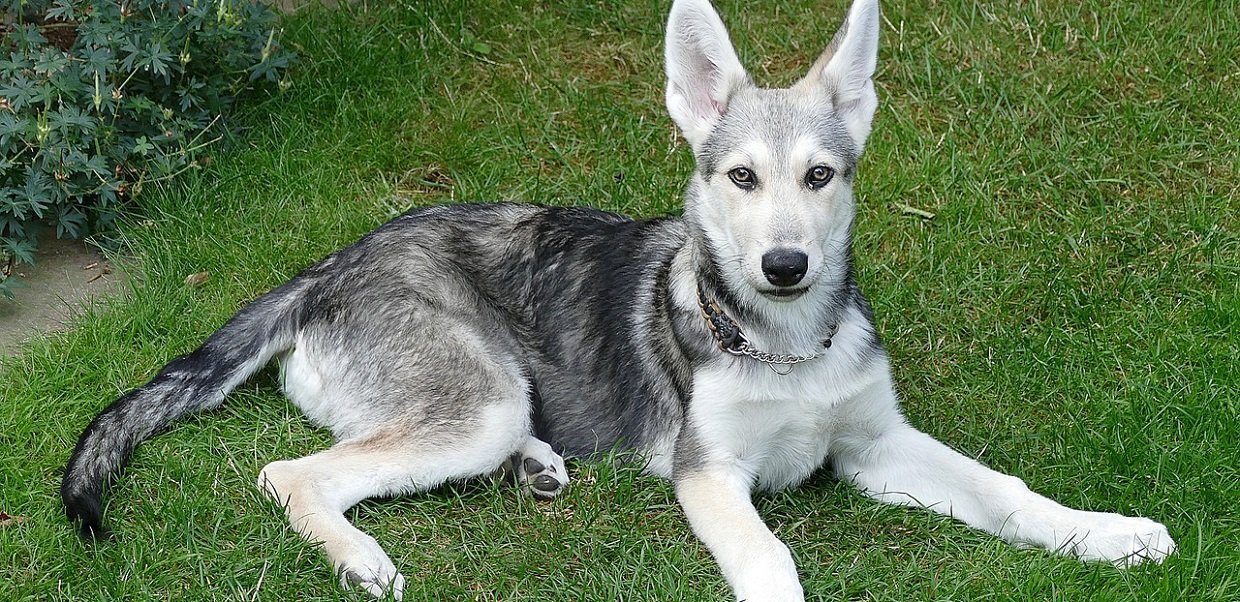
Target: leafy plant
99,98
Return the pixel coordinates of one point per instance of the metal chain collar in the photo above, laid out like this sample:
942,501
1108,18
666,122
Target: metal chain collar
731,340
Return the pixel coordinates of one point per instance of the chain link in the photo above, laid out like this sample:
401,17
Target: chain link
731,340
766,357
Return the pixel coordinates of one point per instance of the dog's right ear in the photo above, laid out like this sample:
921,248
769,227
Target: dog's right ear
702,69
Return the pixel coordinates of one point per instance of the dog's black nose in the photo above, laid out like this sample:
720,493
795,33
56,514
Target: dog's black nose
784,267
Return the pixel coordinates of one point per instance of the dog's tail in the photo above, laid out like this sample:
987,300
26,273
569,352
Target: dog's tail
193,382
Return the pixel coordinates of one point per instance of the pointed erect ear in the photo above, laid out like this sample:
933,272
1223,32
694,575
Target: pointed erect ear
702,69
846,70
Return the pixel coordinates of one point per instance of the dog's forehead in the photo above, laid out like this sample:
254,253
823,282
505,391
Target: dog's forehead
777,126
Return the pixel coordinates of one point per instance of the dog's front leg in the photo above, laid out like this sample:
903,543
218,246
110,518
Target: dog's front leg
877,450
758,566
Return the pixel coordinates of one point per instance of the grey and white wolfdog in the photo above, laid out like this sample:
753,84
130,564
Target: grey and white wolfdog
730,349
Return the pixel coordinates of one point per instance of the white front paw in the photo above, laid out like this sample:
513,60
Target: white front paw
1121,540
770,576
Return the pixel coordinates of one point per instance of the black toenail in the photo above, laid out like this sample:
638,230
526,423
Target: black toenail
546,483
532,466
353,578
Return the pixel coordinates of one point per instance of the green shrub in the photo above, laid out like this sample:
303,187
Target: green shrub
99,97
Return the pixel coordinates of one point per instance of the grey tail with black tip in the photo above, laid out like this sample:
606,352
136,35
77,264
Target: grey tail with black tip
193,382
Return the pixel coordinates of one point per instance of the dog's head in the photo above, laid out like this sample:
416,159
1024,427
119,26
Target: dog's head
772,192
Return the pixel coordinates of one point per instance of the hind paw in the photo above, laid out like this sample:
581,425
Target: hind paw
376,576
361,563
539,470
373,586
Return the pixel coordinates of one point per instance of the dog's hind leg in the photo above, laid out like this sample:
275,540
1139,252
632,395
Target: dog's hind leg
539,470
403,457
316,490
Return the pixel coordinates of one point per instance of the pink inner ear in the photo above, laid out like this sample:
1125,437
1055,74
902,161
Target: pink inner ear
719,107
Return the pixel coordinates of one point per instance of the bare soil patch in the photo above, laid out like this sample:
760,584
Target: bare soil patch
66,276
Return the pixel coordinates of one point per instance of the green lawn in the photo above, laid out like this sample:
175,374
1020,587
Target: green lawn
1071,315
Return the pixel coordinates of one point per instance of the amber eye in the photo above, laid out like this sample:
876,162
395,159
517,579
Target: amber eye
818,176
743,178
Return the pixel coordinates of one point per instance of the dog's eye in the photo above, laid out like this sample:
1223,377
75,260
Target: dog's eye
818,176
743,178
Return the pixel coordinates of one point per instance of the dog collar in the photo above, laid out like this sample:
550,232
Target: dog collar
731,340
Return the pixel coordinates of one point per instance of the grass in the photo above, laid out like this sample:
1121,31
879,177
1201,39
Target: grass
1070,315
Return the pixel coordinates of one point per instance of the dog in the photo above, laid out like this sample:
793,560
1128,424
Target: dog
729,349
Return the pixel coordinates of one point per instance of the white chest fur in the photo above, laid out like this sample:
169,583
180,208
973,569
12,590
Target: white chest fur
776,427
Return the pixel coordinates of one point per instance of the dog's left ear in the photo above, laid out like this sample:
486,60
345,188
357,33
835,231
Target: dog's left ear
846,70
702,69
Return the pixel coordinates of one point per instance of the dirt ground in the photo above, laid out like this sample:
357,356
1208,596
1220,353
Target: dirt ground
66,276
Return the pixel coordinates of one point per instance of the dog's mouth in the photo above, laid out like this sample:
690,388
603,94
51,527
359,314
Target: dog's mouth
784,294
